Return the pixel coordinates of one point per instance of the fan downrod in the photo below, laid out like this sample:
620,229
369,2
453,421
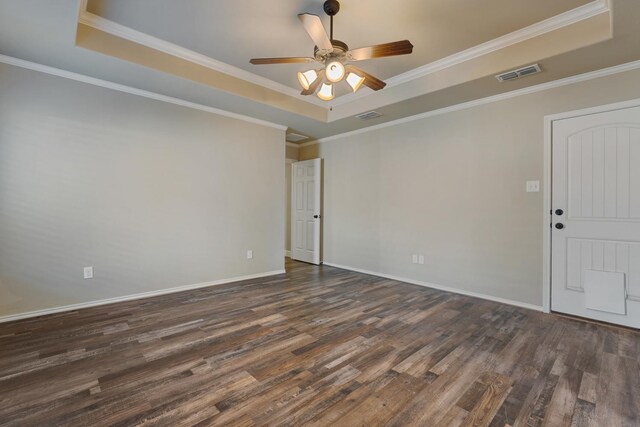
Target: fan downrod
331,7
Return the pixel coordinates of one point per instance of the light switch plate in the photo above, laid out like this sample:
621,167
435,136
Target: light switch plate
421,259
533,186
88,272
249,254
414,259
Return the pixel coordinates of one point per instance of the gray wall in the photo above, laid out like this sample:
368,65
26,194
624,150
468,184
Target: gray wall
452,187
150,194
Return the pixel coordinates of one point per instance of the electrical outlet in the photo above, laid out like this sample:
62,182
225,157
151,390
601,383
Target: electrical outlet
249,254
414,259
88,272
421,259
533,186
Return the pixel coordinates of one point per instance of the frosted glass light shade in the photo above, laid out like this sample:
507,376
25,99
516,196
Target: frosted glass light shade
334,71
307,78
326,92
355,81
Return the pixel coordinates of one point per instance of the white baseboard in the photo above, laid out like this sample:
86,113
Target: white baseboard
440,287
72,307
287,254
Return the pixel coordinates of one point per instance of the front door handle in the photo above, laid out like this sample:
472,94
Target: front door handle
316,216
559,226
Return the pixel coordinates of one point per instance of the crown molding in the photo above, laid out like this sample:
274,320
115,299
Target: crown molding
554,23
124,32
463,106
629,66
548,25
562,20
293,144
133,91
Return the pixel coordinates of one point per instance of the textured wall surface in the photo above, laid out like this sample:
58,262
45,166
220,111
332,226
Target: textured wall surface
150,194
452,187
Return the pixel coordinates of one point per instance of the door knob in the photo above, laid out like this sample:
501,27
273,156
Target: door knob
559,226
316,216
559,212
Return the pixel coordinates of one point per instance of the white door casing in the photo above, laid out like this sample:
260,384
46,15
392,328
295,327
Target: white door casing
306,192
596,185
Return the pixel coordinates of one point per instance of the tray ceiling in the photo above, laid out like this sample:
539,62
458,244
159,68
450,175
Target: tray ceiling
235,31
586,36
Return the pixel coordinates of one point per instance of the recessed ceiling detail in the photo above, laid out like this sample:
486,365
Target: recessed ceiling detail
295,137
135,38
198,51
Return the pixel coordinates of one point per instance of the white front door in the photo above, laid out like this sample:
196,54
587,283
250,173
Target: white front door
306,195
596,216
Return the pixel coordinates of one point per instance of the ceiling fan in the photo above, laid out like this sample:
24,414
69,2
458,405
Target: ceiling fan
336,57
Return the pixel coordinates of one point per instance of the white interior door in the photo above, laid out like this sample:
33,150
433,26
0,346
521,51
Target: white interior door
306,195
596,216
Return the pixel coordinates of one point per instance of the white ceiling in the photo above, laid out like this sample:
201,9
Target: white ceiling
235,31
44,32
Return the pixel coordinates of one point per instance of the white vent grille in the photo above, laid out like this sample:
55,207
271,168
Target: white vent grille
368,115
520,72
296,137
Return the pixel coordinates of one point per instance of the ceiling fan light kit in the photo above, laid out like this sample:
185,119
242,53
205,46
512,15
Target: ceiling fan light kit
336,57
307,78
326,92
355,81
334,71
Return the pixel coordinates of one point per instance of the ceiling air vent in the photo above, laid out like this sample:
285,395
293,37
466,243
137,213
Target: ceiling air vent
520,72
368,115
296,137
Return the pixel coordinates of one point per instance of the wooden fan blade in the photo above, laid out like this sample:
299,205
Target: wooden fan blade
313,86
290,60
369,80
402,47
316,31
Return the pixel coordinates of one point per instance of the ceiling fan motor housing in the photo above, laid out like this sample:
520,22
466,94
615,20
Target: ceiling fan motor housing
331,7
339,52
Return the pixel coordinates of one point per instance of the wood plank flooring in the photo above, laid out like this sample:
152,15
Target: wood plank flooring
318,346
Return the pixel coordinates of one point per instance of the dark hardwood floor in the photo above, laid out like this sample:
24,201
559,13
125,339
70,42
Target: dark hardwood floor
318,346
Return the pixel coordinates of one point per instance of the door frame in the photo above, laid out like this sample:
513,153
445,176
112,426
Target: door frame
547,186
321,209
288,161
